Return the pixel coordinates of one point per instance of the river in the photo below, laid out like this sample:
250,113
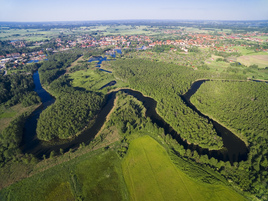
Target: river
236,148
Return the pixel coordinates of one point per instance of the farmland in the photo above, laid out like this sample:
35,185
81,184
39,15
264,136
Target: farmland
151,175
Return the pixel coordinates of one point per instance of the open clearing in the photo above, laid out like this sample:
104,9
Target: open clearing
260,60
150,175
90,79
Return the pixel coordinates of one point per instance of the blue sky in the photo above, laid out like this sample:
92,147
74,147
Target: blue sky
76,10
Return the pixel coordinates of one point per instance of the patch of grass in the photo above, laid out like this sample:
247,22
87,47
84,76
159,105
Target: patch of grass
102,180
43,186
61,192
93,79
95,175
245,51
150,175
8,115
90,79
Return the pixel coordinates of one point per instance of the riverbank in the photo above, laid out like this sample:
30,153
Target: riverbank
241,137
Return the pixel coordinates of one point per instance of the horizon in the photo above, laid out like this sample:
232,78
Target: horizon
82,10
138,20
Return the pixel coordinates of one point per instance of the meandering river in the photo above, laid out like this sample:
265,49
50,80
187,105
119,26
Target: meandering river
236,149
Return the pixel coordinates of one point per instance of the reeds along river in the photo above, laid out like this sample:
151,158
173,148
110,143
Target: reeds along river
236,148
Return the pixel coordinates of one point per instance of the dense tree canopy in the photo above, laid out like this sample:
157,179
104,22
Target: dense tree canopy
69,114
17,88
165,83
55,66
241,106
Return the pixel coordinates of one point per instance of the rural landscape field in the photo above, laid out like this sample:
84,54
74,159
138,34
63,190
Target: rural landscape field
134,103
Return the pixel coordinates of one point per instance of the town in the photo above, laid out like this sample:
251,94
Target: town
181,40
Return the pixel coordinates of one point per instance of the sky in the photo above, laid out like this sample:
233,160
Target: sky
89,10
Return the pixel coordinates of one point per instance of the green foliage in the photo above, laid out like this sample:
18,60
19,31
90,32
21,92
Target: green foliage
162,48
10,139
17,88
241,106
194,49
150,175
55,66
129,115
165,82
69,114
93,176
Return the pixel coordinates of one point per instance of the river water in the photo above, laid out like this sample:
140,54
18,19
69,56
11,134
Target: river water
236,148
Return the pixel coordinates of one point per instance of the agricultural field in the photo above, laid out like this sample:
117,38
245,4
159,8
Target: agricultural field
151,175
126,30
29,34
260,60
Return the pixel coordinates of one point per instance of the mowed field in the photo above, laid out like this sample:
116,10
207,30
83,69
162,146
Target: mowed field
151,175
260,60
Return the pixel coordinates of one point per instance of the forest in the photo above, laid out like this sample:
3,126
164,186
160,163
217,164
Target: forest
165,83
160,59
17,88
55,66
74,108
71,112
241,106
14,89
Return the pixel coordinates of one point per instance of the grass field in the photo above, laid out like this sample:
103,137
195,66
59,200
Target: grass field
90,79
93,176
8,115
260,60
93,79
245,51
29,34
150,175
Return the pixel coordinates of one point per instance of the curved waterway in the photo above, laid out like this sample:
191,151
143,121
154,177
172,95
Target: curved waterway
236,148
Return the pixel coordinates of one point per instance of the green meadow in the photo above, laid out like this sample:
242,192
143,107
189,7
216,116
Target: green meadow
93,176
150,174
90,79
9,114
